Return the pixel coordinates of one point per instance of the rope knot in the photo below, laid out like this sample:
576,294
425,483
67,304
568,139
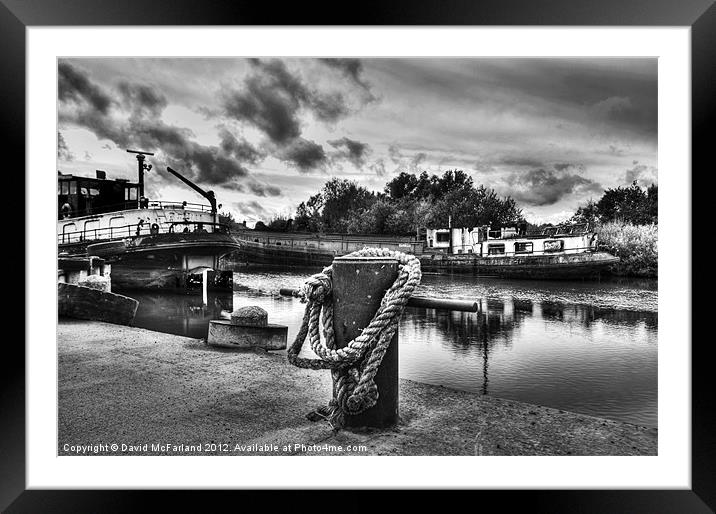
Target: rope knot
317,287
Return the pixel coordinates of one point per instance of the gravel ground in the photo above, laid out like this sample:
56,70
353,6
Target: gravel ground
152,393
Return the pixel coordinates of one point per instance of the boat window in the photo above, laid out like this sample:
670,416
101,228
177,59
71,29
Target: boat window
496,249
130,193
554,246
68,234
442,237
494,233
89,191
91,229
116,224
73,188
523,247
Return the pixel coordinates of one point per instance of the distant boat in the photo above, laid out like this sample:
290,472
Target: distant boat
562,252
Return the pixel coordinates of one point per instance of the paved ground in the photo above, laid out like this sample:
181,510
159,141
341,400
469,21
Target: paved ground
135,387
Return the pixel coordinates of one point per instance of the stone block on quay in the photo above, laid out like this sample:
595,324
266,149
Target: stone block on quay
225,334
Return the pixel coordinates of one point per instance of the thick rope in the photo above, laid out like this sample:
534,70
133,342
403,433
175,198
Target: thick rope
354,366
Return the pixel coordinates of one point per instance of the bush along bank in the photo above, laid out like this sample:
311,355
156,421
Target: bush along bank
635,245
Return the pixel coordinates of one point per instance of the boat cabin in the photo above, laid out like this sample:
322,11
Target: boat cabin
511,241
96,209
81,196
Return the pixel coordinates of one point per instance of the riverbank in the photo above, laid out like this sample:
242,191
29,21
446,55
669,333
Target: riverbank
138,387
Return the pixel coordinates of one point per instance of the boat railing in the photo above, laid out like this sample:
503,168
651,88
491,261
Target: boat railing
167,204
140,229
151,204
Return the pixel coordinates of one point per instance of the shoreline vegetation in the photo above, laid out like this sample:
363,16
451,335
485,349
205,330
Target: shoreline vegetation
635,245
625,218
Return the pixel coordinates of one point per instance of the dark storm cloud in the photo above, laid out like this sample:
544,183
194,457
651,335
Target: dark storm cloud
209,164
252,208
352,68
615,95
260,189
132,121
352,150
63,151
521,161
142,98
563,166
241,149
74,85
272,98
303,154
546,187
621,91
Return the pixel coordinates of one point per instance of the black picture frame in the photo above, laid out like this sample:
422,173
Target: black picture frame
700,15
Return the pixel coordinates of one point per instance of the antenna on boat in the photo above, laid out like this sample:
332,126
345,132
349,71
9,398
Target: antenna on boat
141,168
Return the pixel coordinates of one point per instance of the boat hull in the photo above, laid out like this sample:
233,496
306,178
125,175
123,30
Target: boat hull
576,266
164,261
562,266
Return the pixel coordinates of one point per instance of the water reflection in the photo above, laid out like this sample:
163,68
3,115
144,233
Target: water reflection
574,357
572,346
184,315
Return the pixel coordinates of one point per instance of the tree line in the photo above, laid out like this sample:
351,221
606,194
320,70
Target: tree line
632,205
409,202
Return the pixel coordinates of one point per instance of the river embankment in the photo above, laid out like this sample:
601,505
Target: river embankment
152,393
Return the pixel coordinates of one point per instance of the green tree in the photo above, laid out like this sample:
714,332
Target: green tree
629,204
588,213
308,214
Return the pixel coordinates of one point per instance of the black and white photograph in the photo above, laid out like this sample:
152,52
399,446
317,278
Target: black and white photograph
407,245
357,256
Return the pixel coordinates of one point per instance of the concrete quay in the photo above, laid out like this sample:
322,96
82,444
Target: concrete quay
159,394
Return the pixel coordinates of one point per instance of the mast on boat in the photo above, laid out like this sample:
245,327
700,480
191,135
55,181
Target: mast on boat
141,168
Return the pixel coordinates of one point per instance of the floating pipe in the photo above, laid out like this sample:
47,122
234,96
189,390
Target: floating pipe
425,302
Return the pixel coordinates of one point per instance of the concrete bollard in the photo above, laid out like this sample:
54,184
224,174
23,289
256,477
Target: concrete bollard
359,284
248,328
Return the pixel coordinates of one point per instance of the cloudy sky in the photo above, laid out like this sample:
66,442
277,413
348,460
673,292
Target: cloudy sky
265,134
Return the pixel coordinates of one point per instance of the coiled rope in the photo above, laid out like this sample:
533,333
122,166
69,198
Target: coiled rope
354,366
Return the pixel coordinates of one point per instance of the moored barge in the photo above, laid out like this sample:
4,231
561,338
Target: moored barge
149,244
562,252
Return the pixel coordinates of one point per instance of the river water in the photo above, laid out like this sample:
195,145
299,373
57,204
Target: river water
588,347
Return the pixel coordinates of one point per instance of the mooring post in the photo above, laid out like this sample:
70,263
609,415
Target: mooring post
359,284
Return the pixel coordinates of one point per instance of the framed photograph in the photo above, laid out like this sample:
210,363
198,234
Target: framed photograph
424,244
